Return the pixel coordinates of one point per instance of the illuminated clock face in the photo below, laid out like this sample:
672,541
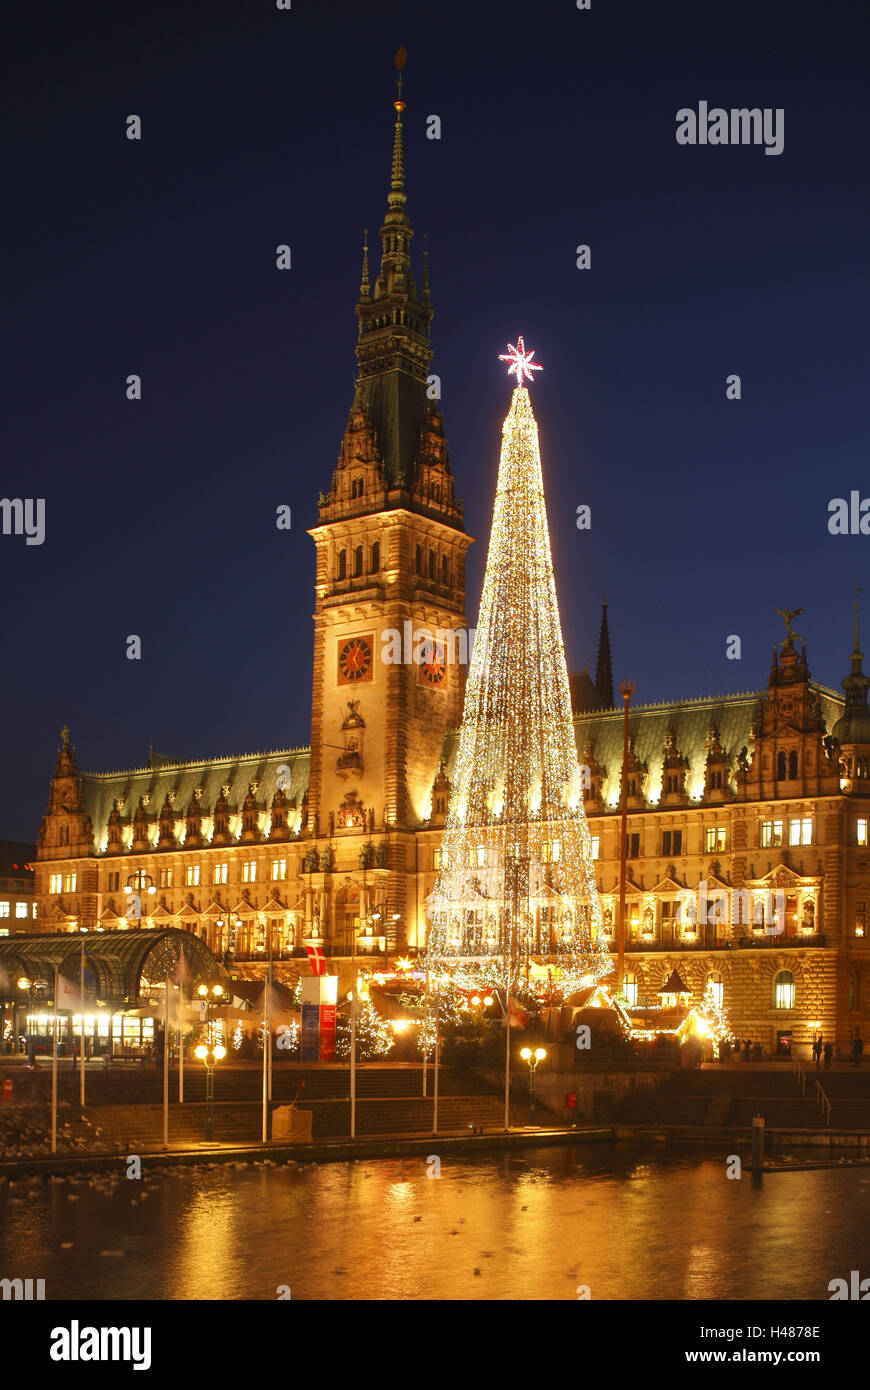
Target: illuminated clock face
355,661
433,666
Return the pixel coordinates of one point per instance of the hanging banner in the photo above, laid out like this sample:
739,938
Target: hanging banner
310,1032
327,1032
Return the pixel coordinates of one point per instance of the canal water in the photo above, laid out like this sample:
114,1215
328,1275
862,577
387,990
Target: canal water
626,1222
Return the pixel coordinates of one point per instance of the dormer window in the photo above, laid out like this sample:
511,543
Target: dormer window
356,487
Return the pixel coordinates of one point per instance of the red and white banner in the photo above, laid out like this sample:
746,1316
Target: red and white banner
316,959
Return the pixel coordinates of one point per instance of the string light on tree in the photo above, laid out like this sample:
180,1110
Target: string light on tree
516,883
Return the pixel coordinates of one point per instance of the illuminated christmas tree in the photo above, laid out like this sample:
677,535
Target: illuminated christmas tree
516,883
374,1037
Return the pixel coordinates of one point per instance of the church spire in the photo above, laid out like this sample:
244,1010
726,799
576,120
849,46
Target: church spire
603,670
856,683
394,350
365,288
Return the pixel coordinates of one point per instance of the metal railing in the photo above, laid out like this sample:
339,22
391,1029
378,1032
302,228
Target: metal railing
823,1102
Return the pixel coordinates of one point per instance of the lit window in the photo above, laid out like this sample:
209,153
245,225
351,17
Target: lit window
481,856
715,838
21,909
442,857
70,883
249,871
164,878
629,989
34,909
4,909
54,882
800,832
771,834
279,868
219,873
783,990
862,832
193,875
860,918
596,842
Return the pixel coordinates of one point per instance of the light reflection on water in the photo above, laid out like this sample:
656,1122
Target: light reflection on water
630,1223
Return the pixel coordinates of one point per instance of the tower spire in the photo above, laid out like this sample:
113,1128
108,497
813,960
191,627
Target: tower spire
394,351
365,289
604,670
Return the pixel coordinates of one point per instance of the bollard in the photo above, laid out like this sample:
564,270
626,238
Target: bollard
757,1143
6,1090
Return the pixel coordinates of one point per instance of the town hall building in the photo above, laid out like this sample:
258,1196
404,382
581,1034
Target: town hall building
760,799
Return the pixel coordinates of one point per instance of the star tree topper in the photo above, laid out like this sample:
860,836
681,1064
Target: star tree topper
521,364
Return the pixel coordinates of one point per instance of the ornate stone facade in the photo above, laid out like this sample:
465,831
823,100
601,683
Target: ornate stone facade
751,796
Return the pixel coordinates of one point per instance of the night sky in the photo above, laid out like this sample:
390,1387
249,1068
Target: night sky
263,127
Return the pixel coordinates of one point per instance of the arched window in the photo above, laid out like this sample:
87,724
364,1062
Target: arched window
358,561
443,569
717,988
418,561
793,764
356,487
780,767
431,564
783,990
376,558
342,564
629,989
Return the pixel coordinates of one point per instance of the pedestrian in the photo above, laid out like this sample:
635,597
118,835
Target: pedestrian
818,1044
857,1048
747,1043
159,1045
829,1052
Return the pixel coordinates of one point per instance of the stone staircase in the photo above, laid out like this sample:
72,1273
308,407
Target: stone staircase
135,1127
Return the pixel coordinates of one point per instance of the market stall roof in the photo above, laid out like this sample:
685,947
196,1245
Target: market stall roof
674,984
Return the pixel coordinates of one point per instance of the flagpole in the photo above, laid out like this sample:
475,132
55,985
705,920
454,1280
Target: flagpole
182,971
54,1070
82,1022
265,1062
435,1081
269,1064
424,1033
507,1062
353,1008
166,1065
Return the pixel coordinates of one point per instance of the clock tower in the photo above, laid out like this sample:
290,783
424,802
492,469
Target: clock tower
390,631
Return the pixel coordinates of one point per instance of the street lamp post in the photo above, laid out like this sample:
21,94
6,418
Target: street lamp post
626,690
137,884
232,921
209,1054
25,984
533,1058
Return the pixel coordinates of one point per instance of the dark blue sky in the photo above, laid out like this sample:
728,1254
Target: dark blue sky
558,127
